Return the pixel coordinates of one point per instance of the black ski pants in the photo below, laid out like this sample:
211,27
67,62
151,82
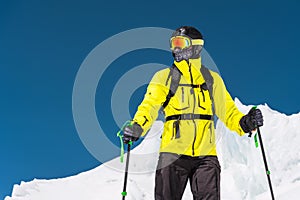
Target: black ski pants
174,171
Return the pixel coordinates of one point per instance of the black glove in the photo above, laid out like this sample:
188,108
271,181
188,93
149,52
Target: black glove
252,120
132,132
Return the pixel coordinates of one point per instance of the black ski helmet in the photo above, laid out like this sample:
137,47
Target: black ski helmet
189,31
194,51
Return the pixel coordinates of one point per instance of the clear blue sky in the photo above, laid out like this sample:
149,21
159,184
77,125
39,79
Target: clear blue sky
43,43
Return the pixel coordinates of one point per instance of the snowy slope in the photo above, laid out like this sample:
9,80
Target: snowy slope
242,177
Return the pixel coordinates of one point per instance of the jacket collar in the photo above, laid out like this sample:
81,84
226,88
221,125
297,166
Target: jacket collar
184,66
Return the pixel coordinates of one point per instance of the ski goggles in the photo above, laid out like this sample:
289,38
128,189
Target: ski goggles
183,42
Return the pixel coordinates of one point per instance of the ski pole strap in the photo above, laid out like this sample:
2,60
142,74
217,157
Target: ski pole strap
122,146
255,136
255,140
121,140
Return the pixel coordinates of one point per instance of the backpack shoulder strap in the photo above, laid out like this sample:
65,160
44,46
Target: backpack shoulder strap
175,75
209,82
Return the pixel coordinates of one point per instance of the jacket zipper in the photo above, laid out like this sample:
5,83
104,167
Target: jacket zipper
202,94
182,93
199,105
210,130
195,128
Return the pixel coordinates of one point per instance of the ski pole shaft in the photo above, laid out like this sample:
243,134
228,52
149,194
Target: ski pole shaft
124,193
265,162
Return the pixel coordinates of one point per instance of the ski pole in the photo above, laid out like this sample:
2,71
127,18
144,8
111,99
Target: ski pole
124,193
264,156
265,162
129,144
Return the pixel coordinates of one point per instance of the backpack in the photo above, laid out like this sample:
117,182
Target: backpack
175,75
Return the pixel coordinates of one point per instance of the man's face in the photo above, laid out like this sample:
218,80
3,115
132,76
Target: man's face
183,54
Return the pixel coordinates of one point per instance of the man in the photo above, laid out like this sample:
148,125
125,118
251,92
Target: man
188,149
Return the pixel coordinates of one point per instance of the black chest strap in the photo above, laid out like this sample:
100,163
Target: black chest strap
189,116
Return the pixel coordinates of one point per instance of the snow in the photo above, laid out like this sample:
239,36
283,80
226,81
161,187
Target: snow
243,174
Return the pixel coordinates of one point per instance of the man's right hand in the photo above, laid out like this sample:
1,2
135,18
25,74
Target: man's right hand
132,132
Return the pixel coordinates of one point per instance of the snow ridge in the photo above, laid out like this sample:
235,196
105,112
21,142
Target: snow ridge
242,177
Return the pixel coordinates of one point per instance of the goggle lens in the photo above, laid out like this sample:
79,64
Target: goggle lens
180,42
184,42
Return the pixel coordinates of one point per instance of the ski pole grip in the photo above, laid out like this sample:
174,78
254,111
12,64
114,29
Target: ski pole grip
250,133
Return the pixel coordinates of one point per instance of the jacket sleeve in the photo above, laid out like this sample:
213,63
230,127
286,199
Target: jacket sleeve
225,107
147,111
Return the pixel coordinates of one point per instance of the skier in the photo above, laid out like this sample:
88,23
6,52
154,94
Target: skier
188,149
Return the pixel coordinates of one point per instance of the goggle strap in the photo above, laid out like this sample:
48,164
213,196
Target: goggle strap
197,42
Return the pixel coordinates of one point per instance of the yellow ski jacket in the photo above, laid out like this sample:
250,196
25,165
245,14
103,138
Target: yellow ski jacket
190,136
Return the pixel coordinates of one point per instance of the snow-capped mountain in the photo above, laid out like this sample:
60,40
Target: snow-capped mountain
243,175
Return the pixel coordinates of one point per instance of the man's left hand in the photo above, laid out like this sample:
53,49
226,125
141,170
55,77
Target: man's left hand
252,120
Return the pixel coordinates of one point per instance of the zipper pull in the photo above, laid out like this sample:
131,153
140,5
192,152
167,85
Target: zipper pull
192,91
